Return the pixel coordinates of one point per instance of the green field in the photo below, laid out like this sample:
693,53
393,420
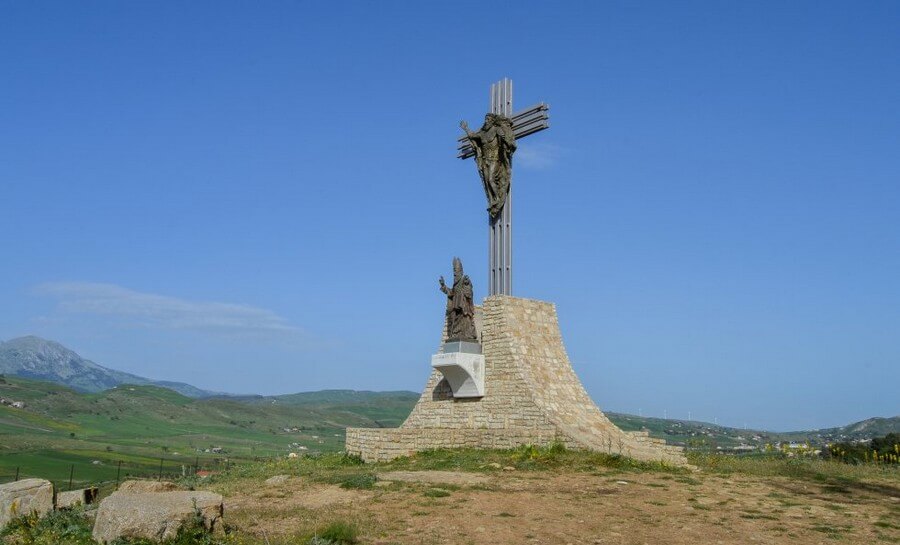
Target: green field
61,431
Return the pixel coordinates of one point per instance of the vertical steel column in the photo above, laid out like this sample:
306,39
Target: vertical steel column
493,243
500,229
500,235
530,121
507,208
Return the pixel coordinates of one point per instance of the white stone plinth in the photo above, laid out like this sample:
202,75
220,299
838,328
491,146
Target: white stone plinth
463,371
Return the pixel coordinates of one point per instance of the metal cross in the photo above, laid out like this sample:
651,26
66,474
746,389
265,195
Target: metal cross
525,122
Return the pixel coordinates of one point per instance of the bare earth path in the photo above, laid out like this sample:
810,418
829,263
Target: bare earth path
606,507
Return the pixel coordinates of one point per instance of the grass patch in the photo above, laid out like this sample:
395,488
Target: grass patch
833,532
526,458
756,516
836,476
354,481
336,533
350,472
436,493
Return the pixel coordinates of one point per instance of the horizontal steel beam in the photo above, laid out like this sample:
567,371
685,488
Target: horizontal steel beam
537,107
525,122
518,127
465,151
519,117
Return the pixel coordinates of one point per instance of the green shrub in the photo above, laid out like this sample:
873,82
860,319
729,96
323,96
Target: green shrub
336,533
69,527
880,450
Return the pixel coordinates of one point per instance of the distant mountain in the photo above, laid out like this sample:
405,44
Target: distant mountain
858,431
40,359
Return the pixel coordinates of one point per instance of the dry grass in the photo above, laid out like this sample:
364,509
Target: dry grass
569,497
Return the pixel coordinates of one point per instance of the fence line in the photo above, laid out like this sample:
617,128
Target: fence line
111,474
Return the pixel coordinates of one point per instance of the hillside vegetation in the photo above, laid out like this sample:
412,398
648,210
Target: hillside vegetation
141,424
706,436
61,430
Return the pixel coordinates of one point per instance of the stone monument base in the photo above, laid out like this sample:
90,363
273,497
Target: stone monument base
531,396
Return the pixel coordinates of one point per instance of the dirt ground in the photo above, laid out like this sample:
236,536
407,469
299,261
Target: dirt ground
512,507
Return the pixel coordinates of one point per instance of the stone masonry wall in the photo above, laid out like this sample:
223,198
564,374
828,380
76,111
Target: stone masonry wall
532,396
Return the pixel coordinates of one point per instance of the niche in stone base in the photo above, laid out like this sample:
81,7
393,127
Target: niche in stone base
462,365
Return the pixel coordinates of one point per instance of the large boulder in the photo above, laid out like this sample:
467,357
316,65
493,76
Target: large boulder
156,516
25,497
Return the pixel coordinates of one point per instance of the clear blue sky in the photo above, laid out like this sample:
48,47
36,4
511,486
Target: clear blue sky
259,197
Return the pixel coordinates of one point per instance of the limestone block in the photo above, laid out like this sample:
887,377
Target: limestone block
23,498
72,498
155,516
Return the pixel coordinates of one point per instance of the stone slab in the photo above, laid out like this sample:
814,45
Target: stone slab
461,346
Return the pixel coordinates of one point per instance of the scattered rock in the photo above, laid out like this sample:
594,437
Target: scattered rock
147,486
509,468
277,479
156,516
25,497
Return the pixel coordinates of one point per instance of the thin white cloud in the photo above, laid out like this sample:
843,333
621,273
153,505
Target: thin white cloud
538,155
162,311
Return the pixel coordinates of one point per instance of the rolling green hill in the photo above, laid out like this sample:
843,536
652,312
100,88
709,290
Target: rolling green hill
703,435
59,426
60,430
